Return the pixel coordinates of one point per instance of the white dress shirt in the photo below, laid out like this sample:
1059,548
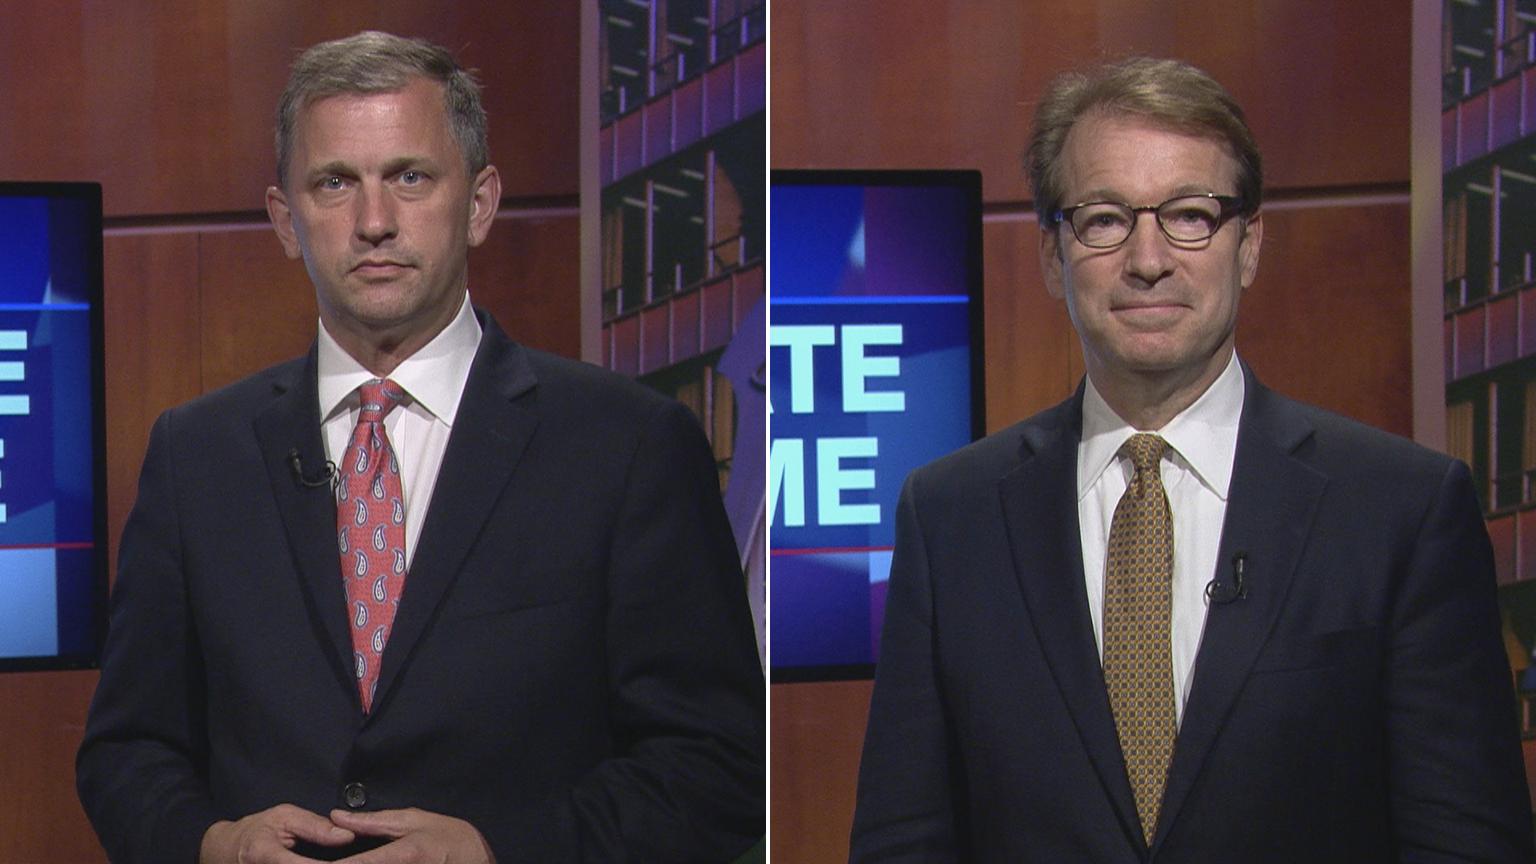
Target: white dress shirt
1196,471
433,379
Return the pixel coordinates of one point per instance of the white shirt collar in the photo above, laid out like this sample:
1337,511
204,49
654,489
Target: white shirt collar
1203,436
433,377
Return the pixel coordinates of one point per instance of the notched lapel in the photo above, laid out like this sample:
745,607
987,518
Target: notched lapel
1270,507
291,425
495,422
1039,501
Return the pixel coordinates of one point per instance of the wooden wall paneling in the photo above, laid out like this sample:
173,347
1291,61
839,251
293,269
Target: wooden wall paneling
258,307
159,131
821,726
152,352
122,110
42,718
891,84
528,275
1327,319
39,138
1032,358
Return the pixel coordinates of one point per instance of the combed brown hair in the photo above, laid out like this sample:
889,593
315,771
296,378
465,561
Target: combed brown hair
374,62
1167,92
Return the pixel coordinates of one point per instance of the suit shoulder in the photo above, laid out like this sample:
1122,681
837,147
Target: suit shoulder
593,408
988,459
238,401
1344,446
563,380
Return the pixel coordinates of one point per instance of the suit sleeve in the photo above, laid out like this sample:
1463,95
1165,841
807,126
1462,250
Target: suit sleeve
141,765
906,808
1458,783
686,782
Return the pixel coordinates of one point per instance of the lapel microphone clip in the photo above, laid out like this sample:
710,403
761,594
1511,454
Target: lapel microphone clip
327,475
1222,591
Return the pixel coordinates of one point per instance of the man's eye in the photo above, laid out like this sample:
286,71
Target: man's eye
1192,216
411,178
1108,219
332,183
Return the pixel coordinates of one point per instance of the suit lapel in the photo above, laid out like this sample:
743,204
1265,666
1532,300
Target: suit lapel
494,424
291,426
1040,507
1270,507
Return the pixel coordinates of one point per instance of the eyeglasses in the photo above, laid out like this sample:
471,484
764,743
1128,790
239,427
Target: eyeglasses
1185,219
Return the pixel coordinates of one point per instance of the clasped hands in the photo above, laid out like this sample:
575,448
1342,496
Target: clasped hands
415,837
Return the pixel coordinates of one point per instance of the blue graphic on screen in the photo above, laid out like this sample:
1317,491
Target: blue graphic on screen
870,378
48,568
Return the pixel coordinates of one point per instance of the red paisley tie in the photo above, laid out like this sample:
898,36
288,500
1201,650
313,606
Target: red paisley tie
370,528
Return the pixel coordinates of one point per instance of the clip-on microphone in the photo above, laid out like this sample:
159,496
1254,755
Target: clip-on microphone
325,478
1222,592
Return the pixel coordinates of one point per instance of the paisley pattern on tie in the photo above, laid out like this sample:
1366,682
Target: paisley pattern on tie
1138,599
370,530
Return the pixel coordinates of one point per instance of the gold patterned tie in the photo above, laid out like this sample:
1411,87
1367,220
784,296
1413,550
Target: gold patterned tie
1138,662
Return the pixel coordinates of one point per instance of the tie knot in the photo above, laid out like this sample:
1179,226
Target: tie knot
1145,450
379,397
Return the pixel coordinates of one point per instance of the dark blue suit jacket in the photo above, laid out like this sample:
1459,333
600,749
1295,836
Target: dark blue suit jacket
1355,706
572,668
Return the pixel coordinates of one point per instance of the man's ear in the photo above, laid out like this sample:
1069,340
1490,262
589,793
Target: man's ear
484,198
1248,251
282,221
1050,262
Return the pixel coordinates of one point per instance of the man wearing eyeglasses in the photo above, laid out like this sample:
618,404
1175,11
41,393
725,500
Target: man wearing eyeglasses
1180,617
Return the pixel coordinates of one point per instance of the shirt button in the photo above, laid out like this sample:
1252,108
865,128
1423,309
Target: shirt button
356,795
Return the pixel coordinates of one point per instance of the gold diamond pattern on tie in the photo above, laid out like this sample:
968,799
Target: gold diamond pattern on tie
1138,598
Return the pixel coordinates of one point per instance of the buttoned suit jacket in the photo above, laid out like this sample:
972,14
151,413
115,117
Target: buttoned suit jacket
1355,705
572,667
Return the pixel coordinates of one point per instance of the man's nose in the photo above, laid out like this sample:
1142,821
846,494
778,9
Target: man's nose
376,221
1148,251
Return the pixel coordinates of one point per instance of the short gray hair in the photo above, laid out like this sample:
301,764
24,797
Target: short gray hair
374,62
1167,92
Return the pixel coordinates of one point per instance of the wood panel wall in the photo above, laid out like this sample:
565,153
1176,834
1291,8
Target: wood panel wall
168,104
918,84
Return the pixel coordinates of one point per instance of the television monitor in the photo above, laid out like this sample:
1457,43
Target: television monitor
53,560
875,368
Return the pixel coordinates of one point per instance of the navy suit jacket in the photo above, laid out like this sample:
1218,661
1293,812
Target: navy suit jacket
1355,706
572,667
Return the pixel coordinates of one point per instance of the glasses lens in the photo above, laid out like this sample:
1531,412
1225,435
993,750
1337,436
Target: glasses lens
1102,224
1194,218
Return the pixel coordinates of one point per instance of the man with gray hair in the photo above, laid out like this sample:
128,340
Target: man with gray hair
422,594
1180,617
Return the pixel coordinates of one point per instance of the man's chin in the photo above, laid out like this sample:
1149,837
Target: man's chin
381,304
374,318
395,319
1159,361
1154,356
